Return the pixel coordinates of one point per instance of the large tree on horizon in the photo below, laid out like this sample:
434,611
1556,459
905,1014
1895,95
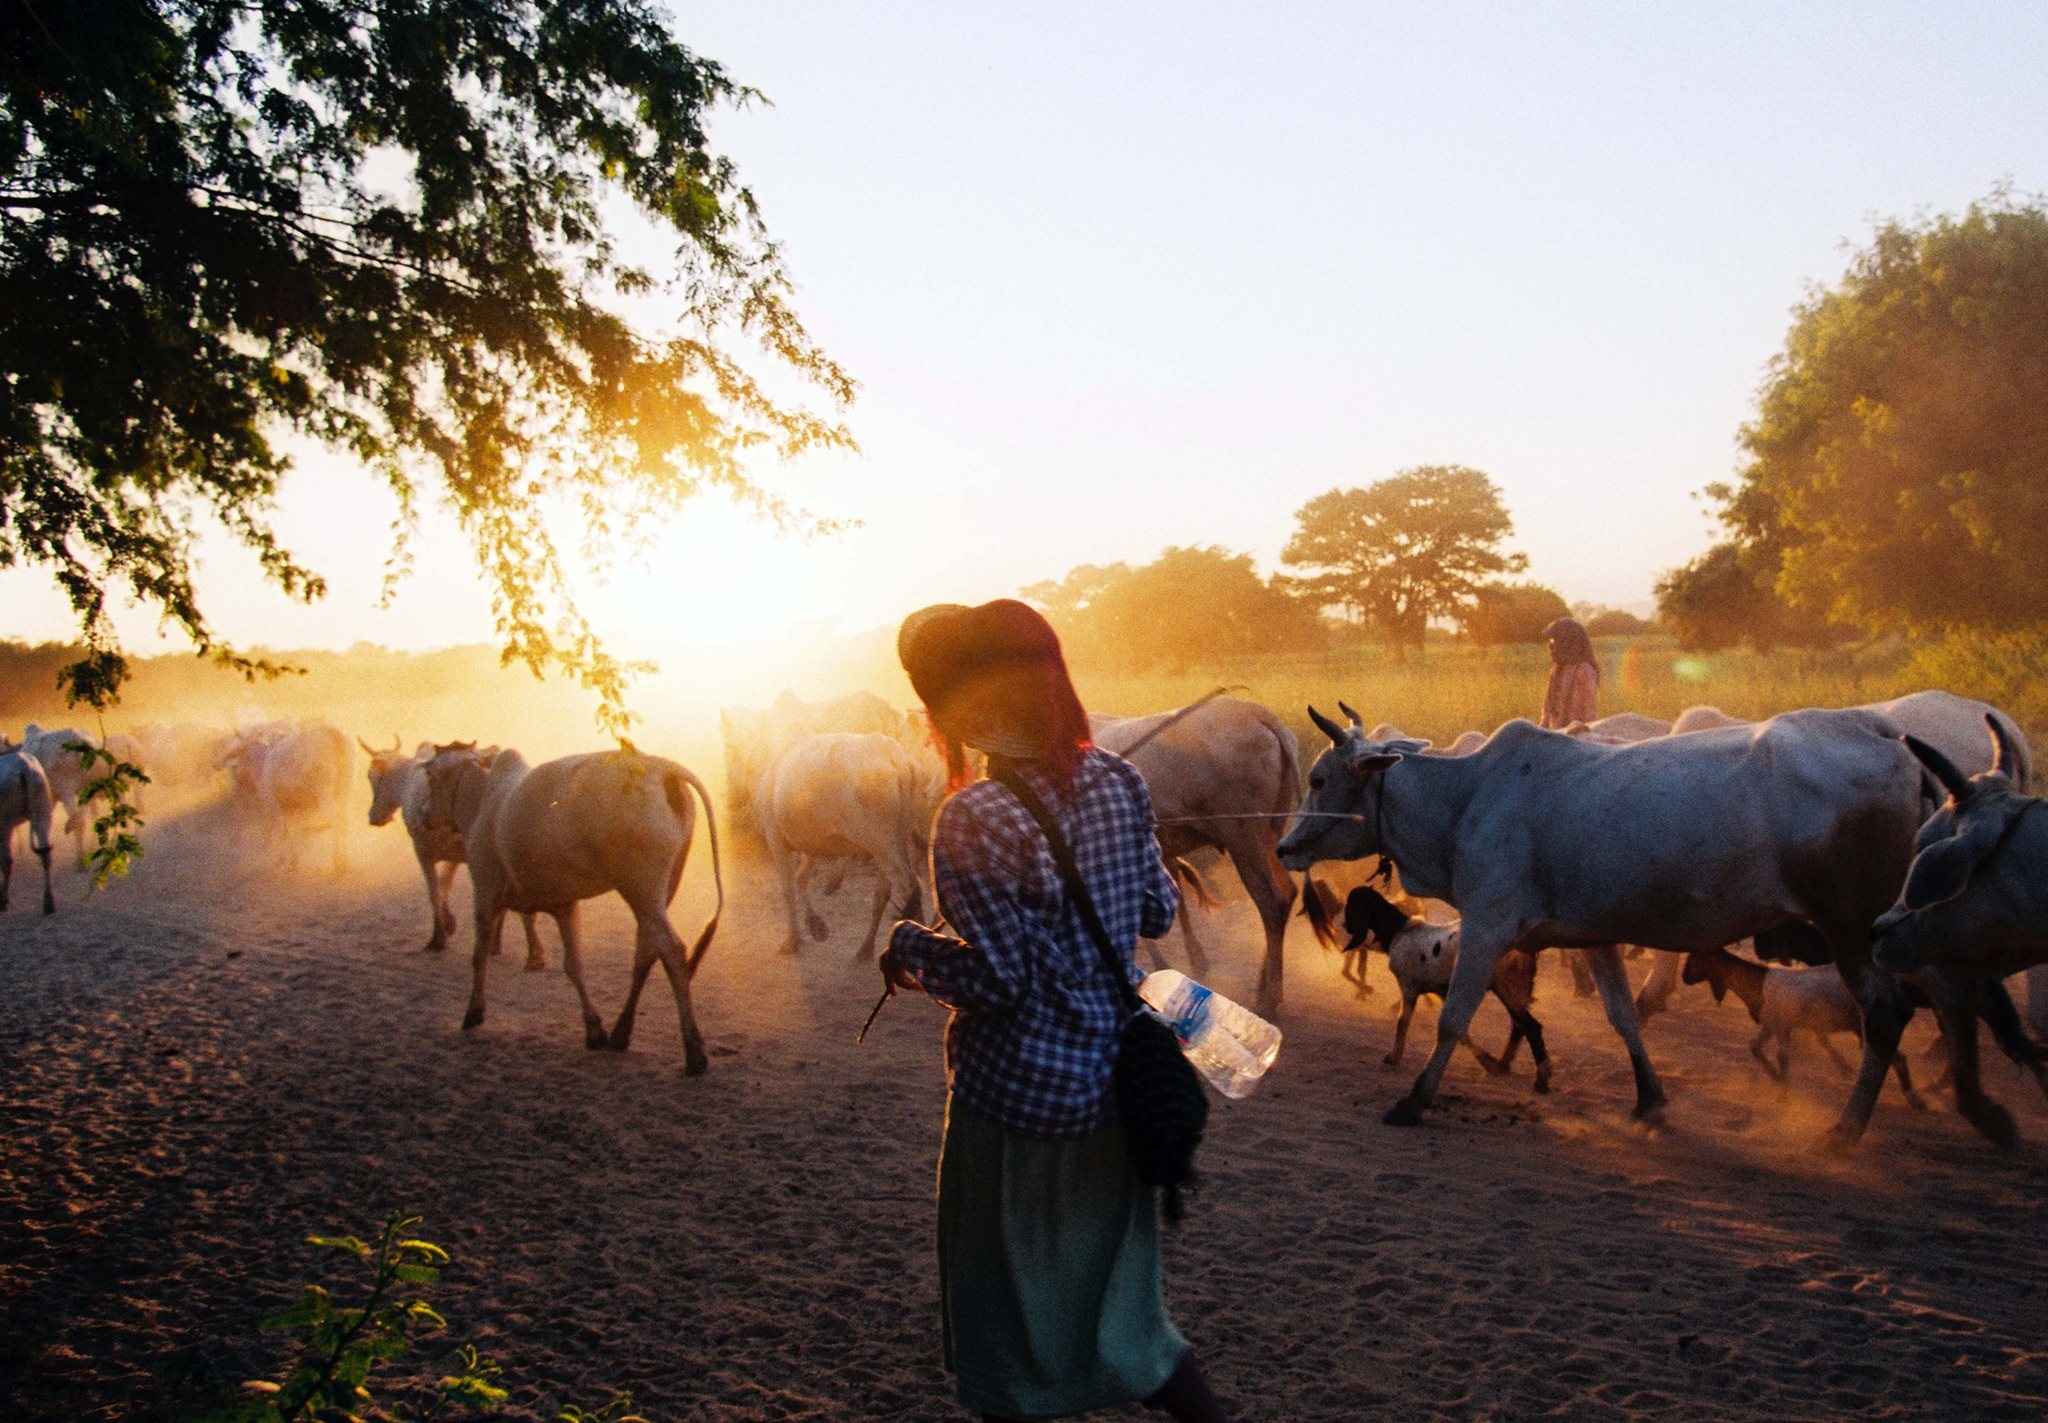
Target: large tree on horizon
1412,547
389,227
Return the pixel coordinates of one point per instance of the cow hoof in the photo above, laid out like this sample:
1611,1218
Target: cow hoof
1390,1061
1494,1066
1994,1121
1917,1102
1648,1008
473,1017
820,930
1650,1111
435,946
1405,1113
789,948
49,906
536,964
621,1038
1840,1139
1543,1081
694,1064
594,1037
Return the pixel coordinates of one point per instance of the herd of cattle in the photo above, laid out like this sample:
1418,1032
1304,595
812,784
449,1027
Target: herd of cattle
1889,846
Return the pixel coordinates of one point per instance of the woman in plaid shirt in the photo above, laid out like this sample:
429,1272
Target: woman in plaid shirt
1049,1262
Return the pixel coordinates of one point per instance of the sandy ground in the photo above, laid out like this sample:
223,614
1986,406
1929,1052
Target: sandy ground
209,1062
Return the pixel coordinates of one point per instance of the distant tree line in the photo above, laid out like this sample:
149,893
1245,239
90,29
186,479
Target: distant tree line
1387,560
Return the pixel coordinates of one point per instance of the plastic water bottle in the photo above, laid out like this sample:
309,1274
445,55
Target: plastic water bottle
1229,1045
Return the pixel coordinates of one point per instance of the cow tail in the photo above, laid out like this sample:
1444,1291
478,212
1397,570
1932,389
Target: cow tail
1191,878
1315,907
672,785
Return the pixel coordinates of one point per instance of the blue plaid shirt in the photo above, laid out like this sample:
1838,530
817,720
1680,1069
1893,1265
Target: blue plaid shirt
1035,1016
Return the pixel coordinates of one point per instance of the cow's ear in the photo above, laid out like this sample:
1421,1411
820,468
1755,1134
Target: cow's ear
1940,873
1362,760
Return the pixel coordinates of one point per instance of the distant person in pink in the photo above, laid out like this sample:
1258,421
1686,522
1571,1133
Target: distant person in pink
1574,688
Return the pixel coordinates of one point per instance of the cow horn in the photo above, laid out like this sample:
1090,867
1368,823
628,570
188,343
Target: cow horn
2004,759
1356,720
368,749
1327,727
396,742
1952,780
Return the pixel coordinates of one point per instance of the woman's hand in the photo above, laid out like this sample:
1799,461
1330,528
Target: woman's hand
897,974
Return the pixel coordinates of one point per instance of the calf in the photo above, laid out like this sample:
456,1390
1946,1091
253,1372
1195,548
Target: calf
1783,1001
1423,956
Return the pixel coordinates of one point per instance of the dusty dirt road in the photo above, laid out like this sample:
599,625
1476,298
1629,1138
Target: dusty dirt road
210,1062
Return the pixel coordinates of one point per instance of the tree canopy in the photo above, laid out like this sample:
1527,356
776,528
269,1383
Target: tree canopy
1409,548
1501,613
1187,605
387,226
1897,467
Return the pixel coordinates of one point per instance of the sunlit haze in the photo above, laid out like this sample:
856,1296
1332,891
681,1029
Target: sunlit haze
1120,277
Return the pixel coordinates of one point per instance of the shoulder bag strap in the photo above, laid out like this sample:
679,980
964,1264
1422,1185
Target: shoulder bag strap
1070,874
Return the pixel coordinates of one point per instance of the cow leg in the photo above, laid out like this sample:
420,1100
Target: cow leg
695,1059
1902,1070
1583,982
2037,1000
786,871
1827,1046
1393,1057
1655,994
1198,956
489,924
655,939
1533,1030
1470,982
437,905
2002,1016
6,865
866,952
536,958
1620,1005
1956,1002
570,922
1756,1050
49,900
1885,1015
806,875
643,963
1272,889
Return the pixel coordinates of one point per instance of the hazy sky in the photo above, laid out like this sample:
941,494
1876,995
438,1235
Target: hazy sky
1115,277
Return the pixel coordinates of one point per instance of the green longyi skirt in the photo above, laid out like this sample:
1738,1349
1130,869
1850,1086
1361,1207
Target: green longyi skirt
1049,1272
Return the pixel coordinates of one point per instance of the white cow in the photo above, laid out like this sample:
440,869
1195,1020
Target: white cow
755,739
25,799
541,839
398,787
294,784
1226,776
840,794
1799,829
67,773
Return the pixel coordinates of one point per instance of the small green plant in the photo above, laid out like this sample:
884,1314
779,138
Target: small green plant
342,1345
116,844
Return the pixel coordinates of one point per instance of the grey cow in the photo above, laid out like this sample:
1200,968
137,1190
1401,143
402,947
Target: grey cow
1976,898
1800,829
